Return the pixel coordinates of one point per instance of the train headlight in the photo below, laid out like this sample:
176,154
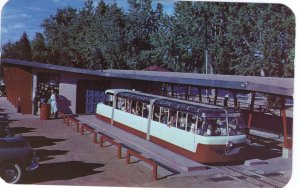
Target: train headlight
229,144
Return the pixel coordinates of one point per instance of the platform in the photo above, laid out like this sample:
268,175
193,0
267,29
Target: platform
148,149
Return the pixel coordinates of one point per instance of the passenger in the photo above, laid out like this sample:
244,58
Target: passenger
145,111
209,131
172,121
221,128
123,107
182,122
193,128
199,130
204,126
164,118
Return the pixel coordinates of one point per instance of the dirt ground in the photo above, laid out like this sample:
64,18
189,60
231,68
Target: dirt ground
66,158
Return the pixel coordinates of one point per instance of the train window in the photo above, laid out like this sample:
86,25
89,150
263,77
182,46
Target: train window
120,103
172,119
182,121
164,115
156,113
192,123
145,110
109,99
212,126
221,128
235,126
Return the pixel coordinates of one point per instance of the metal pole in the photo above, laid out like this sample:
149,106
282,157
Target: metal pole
206,61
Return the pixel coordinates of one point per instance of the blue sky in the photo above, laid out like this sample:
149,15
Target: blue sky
18,16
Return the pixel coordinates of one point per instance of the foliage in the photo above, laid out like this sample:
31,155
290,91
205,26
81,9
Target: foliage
241,38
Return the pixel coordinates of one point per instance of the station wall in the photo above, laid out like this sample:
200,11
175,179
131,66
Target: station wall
18,83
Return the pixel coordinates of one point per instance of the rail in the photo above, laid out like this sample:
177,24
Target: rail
139,156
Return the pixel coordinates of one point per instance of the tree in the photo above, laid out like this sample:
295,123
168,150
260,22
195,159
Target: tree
23,47
39,49
57,32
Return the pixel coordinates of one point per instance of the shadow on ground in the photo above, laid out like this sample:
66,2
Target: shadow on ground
45,155
41,141
21,130
62,171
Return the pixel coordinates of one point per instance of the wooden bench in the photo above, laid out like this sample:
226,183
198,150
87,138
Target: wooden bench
139,156
90,129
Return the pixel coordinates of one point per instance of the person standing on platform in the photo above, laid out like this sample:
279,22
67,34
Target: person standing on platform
53,103
35,102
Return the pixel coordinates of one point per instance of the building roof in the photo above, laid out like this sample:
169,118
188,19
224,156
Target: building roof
272,85
155,68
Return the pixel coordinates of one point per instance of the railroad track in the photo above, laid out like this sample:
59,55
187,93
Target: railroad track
249,177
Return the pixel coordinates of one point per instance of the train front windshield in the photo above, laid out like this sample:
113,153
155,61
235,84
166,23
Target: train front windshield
222,126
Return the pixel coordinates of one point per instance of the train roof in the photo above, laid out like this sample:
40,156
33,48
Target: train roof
173,103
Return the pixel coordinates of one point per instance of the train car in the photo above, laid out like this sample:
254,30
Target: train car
201,132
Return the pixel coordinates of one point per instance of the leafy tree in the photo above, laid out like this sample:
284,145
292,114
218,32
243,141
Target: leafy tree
241,38
39,49
23,47
57,32
9,50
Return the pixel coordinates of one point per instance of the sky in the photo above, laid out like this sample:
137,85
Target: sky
18,16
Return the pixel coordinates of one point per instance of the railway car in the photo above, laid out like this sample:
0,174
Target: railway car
201,132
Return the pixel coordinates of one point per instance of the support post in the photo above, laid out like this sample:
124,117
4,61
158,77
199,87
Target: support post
216,97
284,124
200,96
235,100
251,109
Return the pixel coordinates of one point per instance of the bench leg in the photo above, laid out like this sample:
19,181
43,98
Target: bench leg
119,151
81,130
95,138
154,172
101,141
128,157
77,127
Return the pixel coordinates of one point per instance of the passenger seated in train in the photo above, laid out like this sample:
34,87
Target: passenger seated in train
193,128
220,127
182,122
123,108
164,117
145,111
172,121
204,126
209,131
199,126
